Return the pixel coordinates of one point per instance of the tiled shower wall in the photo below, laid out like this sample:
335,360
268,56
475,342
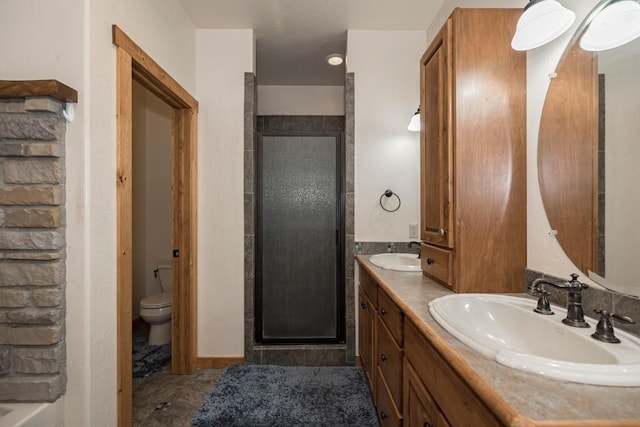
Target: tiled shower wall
32,250
338,354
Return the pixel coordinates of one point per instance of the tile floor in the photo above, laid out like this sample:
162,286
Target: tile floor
164,399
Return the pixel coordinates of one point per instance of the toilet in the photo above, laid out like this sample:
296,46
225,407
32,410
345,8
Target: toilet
156,309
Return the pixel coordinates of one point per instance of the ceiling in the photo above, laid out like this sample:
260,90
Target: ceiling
293,37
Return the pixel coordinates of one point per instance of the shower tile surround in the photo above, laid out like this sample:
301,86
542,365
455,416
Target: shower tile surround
335,354
32,249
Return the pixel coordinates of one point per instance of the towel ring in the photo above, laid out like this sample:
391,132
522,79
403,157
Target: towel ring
387,194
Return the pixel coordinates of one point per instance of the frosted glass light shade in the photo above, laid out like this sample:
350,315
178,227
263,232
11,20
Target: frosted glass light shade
615,25
541,22
414,123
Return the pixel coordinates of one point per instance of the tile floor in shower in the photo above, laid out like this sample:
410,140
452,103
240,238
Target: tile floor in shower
164,399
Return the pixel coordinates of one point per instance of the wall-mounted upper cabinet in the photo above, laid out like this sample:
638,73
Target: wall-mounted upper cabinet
473,153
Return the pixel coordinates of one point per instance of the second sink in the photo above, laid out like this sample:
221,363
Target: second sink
397,261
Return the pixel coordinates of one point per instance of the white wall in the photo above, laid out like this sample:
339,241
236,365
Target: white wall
220,91
70,40
387,92
300,100
152,226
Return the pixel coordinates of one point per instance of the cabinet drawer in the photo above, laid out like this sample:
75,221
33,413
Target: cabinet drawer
459,404
436,263
389,360
370,286
391,315
388,413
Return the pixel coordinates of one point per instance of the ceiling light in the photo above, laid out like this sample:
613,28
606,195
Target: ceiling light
541,22
335,59
414,123
615,25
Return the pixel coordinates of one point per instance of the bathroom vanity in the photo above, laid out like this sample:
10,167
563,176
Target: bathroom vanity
420,375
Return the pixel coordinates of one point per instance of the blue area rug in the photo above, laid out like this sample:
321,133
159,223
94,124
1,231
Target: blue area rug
148,359
267,395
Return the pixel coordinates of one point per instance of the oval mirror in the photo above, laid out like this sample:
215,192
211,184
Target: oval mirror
589,159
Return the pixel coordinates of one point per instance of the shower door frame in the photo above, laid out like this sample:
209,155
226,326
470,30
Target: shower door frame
340,242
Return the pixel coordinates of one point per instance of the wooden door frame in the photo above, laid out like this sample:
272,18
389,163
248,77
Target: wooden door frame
134,64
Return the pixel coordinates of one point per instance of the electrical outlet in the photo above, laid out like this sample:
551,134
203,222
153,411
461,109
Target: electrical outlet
413,231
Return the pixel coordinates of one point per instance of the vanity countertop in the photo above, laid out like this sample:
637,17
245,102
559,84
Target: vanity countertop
512,394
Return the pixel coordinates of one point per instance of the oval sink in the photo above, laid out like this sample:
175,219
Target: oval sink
506,329
397,261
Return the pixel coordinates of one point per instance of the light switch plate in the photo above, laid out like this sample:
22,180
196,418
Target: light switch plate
413,231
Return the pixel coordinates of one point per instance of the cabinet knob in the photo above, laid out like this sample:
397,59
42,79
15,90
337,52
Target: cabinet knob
383,416
429,261
383,311
363,306
384,357
427,425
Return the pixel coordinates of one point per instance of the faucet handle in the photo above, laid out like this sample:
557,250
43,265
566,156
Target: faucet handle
623,318
543,303
575,284
604,328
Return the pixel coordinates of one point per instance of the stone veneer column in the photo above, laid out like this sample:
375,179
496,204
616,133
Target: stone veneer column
32,250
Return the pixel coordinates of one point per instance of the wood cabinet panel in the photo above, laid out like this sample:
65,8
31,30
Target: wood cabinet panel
391,315
435,147
457,401
366,336
436,262
389,360
419,409
473,151
369,286
388,412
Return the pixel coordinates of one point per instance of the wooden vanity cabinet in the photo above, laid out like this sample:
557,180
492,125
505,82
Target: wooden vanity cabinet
435,392
368,291
381,335
473,153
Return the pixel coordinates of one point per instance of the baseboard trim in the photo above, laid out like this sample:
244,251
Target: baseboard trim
218,362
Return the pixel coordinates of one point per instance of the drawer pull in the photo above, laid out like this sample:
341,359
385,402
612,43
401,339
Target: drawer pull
363,306
383,416
430,261
384,357
383,311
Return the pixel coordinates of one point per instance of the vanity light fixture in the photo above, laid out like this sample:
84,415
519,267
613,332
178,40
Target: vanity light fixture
618,23
414,123
335,59
541,22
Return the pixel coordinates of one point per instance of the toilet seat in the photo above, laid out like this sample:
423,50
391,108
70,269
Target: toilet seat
156,301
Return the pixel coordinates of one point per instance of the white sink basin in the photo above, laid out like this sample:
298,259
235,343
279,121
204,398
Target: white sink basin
506,329
397,261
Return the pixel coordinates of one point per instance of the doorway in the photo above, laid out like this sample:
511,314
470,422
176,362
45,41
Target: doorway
132,63
300,239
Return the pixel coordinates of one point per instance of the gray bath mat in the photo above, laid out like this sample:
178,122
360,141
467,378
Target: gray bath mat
267,395
148,359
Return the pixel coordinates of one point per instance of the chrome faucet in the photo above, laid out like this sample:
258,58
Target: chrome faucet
574,288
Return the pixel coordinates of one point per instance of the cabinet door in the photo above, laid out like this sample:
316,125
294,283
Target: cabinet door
365,337
419,409
435,136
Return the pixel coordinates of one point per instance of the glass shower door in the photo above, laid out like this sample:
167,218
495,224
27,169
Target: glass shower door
298,291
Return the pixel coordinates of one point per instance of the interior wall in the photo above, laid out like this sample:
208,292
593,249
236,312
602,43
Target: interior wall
220,91
300,100
387,155
70,40
152,226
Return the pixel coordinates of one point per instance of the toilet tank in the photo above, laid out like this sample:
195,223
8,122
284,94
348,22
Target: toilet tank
165,276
